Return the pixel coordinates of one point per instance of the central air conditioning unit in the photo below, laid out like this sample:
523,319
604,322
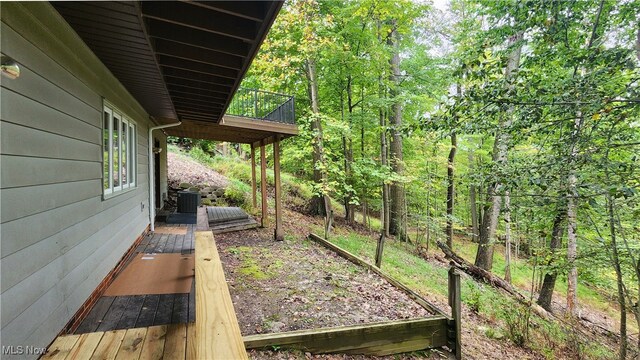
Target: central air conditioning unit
188,201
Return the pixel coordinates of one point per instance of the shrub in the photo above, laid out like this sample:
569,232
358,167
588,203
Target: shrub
238,194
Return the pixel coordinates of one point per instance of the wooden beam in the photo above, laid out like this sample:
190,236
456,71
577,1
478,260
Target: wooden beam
456,313
359,261
254,195
197,67
190,16
264,221
195,37
217,331
264,125
184,51
379,339
252,10
279,232
198,85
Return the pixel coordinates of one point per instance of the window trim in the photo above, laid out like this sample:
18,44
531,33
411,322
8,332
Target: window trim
131,161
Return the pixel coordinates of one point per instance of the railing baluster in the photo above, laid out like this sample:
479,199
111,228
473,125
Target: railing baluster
263,105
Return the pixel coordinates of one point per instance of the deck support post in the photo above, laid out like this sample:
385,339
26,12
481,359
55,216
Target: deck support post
456,312
254,196
264,221
278,233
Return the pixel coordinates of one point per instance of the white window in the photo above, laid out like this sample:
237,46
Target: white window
119,151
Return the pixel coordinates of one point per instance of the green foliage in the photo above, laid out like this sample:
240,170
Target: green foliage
238,193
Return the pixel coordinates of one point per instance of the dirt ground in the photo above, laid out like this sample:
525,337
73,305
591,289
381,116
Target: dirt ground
298,284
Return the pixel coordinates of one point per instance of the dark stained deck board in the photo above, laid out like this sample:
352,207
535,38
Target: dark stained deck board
148,311
112,317
135,311
95,316
192,303
180,312
131,313
164,313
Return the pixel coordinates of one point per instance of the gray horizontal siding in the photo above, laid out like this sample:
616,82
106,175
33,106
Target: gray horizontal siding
59,236
21,171
95,259
27,112
25,141
18,47
20,202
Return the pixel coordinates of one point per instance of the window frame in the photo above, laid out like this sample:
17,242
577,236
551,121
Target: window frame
129,140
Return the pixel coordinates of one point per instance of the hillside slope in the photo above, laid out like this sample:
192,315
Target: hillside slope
494,326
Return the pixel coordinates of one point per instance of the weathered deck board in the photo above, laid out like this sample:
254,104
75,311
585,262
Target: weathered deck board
93,320
148,343
85,346
148,311
131,346
175,345
217,330
61,347
109,345
226,219
153,347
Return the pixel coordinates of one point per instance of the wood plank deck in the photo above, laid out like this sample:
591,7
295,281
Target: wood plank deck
155,342
226,219
216,334
136,311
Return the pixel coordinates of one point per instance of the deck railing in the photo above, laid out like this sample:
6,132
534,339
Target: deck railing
263,105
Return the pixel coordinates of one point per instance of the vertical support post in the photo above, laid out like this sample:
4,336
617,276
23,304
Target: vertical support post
456,312
380,250
254,196
263,186
278,234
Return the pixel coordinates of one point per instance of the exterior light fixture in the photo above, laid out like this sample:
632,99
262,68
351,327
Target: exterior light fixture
9,67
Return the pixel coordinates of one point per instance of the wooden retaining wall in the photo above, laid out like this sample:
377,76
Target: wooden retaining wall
381,338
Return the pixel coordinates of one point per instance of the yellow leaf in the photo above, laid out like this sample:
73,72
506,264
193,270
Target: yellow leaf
596,116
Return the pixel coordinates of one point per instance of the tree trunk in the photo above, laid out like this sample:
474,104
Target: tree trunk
484,256
549,283
396,226
473,204
622,354
384,213
350,207
320,203
507,236
450,188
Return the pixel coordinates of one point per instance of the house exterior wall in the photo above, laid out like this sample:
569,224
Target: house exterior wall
164,190
59,237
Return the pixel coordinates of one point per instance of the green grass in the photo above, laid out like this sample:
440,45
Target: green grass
427,278
522,271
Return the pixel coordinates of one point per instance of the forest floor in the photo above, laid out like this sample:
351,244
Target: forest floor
296,284
308,286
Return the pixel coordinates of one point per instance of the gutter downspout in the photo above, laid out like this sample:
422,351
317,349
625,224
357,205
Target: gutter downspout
152,205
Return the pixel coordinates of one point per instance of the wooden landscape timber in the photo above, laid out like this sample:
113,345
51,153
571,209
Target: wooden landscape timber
453,322
359,261
378,339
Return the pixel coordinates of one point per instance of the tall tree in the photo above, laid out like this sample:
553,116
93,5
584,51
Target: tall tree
397,191
484,256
